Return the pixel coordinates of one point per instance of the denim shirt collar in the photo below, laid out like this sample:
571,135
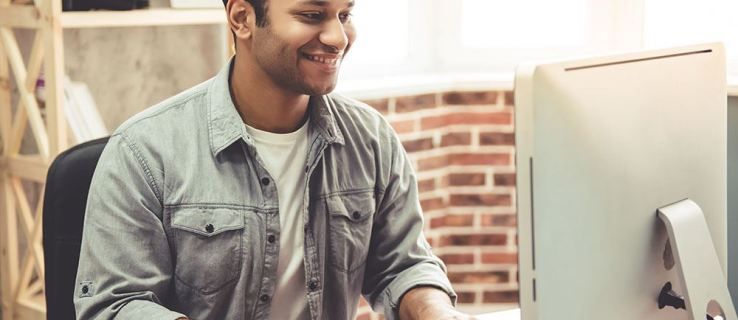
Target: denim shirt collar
225,125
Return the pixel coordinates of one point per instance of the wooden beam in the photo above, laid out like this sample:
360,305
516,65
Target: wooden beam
20,16
33,308
138,18
19,70
33,168
9,245
56,121
17,130
5,102
21,117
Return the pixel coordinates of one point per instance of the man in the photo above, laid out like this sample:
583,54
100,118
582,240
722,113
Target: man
257,195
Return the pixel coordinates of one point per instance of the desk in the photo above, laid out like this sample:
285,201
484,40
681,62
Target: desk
513,314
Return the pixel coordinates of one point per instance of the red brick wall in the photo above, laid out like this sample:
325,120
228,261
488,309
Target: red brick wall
462,146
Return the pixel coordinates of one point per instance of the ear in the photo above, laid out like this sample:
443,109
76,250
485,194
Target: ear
241,18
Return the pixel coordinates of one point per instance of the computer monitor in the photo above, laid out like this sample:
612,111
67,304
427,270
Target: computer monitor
602,143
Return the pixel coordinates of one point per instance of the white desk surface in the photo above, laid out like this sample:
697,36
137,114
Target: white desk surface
513,314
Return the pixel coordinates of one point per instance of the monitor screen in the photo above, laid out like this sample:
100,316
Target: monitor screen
602,143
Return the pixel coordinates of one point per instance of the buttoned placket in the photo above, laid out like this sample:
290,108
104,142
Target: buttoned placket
313,270
270,208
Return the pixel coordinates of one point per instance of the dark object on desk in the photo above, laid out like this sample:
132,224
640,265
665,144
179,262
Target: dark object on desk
65,199
668,297
84,5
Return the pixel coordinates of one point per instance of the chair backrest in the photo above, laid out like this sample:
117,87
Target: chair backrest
67,185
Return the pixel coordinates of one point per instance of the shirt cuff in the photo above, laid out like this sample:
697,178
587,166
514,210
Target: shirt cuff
423,275
145,309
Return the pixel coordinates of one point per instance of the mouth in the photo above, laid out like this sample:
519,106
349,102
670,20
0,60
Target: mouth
326,60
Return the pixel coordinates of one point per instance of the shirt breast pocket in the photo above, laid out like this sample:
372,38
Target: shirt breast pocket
208,246
350,220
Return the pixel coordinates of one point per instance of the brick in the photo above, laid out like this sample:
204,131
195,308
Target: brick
459,220
432,204
499,159
456,139
470,98
466,179
414,103
500,258
499,220
487,200
509,98
458,258
496,139
466,297
405,126
426,185
482,277
510,296
381,105
454,220
433,163
505,179
494,239
418,144
434,122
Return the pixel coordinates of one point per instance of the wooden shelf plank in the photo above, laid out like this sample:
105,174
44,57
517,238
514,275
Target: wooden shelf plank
20,16
140,18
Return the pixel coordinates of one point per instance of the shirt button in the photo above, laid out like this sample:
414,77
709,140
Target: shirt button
356,215
85,289
209,228
264,298
265,181
271,238
313,285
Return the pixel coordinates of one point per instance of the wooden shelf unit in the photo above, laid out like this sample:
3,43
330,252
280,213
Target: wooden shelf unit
22,275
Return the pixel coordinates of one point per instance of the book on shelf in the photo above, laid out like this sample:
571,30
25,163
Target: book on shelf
81,112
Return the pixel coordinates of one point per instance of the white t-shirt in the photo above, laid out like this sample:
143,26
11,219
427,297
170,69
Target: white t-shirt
285,156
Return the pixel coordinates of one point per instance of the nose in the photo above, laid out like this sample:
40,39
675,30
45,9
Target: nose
335,35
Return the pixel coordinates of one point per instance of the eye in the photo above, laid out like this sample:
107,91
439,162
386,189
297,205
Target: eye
313,16
345,17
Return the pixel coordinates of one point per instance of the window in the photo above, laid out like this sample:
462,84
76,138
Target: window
678,22
401,37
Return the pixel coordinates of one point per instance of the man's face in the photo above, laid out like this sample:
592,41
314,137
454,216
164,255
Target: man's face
303,43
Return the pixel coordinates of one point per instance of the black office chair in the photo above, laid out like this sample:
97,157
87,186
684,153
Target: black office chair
67,185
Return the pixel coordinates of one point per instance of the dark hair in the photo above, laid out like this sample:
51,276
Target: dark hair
259,10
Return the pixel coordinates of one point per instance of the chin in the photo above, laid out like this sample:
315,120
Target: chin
319,90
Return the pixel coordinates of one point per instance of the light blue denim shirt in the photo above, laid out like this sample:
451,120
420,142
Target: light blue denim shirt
182,216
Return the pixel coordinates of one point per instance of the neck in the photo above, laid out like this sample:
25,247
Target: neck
264,105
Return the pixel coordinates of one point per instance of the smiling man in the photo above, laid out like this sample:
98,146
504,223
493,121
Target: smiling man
258,194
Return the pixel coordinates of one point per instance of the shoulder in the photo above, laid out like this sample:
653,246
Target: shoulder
165,114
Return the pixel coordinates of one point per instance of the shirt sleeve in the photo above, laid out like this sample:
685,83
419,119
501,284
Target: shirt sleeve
400,258
125,266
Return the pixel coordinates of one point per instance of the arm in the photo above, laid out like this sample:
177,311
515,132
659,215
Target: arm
125,267
400,258
429,303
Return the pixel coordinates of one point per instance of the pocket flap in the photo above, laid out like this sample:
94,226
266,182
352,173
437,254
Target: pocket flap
355,207
207,222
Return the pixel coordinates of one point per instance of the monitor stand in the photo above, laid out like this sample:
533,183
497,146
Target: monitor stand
697,263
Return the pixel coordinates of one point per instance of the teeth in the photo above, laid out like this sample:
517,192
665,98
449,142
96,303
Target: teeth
323,60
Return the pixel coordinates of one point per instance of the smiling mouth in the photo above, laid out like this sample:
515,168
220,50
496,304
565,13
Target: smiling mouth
329,61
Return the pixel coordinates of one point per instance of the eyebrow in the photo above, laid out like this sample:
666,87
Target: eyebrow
323,3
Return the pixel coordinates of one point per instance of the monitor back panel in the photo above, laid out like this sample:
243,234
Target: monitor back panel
602,143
